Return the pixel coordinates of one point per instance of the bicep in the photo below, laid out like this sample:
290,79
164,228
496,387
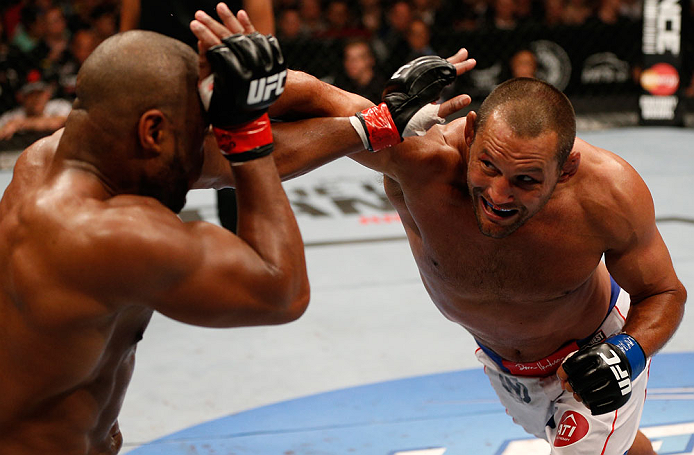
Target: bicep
223,282
638,259
197,273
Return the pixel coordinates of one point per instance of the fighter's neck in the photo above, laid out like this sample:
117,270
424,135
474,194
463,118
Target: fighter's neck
80,151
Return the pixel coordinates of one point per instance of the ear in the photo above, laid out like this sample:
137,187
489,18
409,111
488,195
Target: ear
570,166
153,131
470,127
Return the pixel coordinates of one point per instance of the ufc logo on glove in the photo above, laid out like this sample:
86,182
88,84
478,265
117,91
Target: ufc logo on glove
262,89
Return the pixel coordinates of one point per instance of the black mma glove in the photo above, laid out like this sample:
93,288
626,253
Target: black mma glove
249,74
406,109
601,374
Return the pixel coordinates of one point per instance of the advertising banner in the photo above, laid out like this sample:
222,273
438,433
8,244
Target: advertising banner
659,103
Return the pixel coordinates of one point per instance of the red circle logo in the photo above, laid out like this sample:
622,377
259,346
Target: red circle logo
572,427
661,79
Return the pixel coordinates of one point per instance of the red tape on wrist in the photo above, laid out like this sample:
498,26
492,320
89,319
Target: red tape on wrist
243,138
380,127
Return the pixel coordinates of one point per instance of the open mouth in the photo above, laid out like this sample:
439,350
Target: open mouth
498,211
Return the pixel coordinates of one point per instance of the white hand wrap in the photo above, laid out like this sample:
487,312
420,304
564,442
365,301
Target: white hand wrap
424,119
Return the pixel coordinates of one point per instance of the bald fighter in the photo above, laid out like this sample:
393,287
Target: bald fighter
90,244
542,246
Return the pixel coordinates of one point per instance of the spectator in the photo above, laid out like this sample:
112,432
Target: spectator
392,48
553,13
523,64
30,30
504,15
371,16
37,111
82,44
360,75
340,22
104,22
298,47
9,76
312,17
289,26
609,12
425,10
82,11
419,40
576,12
56,36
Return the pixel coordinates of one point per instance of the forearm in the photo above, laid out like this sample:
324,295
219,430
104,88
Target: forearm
305,145
305,96
266,221
300,147
654,320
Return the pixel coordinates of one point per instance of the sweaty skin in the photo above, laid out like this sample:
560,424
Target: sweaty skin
510,244
90,246
70,356
527,294
523,285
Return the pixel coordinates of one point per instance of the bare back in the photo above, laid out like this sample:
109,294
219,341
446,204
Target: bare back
528,294
70,355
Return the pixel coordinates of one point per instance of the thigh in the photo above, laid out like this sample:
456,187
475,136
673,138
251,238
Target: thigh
575,431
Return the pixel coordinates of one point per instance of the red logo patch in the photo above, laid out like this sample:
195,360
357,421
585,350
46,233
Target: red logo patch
661,79
572,427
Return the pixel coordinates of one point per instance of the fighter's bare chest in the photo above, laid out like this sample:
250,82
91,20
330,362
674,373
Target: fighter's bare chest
541,261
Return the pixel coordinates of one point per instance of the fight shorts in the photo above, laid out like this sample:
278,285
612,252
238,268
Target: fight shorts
533,396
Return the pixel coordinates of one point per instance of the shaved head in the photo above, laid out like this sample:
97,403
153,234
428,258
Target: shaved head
133,72
531,107
138,116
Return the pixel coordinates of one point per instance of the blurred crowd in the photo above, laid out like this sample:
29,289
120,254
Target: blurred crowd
355,45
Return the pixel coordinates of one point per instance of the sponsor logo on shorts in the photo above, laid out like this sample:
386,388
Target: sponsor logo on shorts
599,337
572,428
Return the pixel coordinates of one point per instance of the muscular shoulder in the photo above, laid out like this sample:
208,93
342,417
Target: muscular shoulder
117,248
613,194
436,154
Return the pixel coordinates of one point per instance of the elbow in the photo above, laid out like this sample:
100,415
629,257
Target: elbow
297,307
681,293
292,302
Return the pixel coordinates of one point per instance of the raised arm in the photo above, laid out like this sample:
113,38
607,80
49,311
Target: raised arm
320,123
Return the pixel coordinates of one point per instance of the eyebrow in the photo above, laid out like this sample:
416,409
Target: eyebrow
531,170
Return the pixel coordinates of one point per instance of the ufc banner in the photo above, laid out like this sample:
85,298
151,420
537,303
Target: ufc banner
659,102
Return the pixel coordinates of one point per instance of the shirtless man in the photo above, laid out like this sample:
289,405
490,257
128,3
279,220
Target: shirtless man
509,216
90,244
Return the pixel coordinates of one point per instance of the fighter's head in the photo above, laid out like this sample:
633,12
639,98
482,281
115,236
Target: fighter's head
520,146
137,100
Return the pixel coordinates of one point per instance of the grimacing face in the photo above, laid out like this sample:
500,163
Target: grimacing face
510,178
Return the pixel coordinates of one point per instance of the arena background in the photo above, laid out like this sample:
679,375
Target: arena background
372,367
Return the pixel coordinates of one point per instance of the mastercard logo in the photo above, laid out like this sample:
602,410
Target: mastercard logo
661,79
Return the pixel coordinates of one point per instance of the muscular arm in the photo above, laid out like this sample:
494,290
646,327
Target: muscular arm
316,132
136,252
319,131
641,264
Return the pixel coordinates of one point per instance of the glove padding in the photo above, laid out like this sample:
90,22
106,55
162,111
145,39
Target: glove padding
407,96
249,75
414,85
602,374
